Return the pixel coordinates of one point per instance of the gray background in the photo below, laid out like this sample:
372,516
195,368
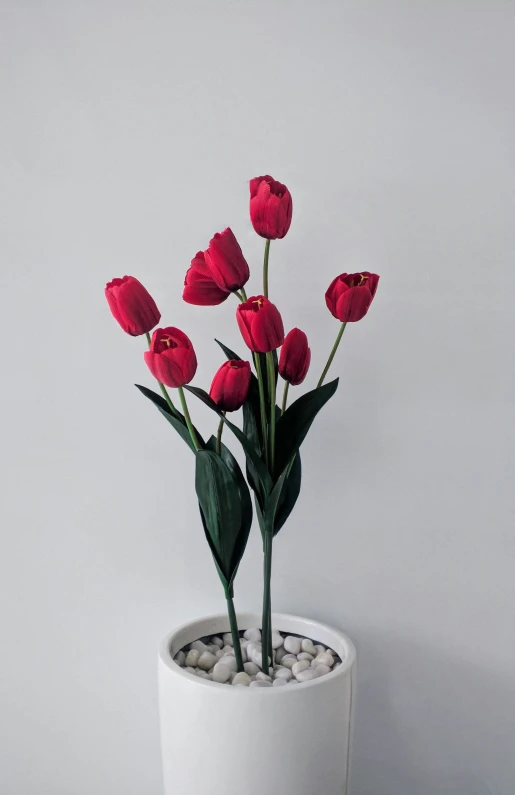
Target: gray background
128,133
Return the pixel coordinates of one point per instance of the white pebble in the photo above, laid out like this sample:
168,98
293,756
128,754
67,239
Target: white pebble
277,640
283,673
252,647
260,683
319,648
325,659
292,644
197,645
227,639
221,673
321,670
291,682
228,650
213,648
280,653
253,634
305,676
303,665
241,679
251,668
219,654
244,643
180,658
202,674
288,661
190,669
257,657
217,641
192,658
244,655
263,677
305,656
336,665
330,651
206,661
230,662
280,682
307,645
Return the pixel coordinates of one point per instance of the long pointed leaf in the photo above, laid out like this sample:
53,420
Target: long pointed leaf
248,448
296,421
178,423
245,501
219,499
289,495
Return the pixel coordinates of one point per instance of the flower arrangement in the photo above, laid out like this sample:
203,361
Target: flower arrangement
271,436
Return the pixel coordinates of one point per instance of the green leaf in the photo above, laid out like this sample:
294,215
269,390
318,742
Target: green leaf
289,494
250,452
219,499
179,423
272,503
296,421
230,354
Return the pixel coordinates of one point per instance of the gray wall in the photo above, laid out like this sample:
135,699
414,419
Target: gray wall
128,133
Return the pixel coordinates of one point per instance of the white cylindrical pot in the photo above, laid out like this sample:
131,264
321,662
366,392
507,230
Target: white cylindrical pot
224,740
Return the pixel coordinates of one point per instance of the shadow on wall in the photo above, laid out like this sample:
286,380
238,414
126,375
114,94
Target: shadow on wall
460,713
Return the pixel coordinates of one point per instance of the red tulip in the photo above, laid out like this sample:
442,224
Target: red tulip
295,357
132,306
199,285
260,324
231,385
349,296
228,266
270,207
171,358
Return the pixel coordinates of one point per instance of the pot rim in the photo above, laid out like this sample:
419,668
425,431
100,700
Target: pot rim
254,619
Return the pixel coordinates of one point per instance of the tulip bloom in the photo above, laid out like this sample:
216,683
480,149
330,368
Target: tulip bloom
295,357
231,385
349,296
199,286
270,207
260,324
225,260
132,305
171,358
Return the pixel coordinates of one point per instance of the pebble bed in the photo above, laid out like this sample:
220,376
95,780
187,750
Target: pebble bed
295,660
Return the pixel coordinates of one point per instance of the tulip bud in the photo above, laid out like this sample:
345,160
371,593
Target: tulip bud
231,385
270,207
295,357
226,262
349,296
199,286
132,305
171,358
260,324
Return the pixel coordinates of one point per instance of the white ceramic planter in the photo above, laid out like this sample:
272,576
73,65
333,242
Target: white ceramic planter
223,740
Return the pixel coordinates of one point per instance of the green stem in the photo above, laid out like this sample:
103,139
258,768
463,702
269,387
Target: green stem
265,269
285,397
238,295
188,418
265,621
271,390
262,407
163,388
243,293
234,630
219,436
331,355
